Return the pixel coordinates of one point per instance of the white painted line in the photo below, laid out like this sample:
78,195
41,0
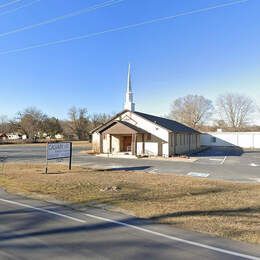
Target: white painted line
198,174
224,159
43,210
153,170
254,165
255,179
217,249
174,238
215,159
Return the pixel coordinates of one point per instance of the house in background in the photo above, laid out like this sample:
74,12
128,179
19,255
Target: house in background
3,136
14,136
135,133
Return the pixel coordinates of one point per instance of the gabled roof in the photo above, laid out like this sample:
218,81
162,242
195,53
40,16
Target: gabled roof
135,128
169,124
118,127
166,123
109,121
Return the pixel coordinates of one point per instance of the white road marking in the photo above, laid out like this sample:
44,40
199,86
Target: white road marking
198,174
254,165
153,170
255,179
43,210
174,238
215,159
224,159
217,249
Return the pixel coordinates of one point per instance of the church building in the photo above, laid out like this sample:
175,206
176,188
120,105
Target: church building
139,134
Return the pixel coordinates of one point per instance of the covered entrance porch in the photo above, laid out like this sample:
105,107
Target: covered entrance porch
121,138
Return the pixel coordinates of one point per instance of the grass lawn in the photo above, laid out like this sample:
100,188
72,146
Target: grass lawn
226,209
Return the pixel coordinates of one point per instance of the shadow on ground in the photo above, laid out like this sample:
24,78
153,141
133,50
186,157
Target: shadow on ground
220,151
134,168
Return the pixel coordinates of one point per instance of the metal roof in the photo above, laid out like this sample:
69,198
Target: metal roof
166,123
169,124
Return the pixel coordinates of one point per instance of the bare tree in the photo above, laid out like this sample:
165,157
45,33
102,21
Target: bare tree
79,122
52,126
99,119
192,110
235,109
4,124
30,122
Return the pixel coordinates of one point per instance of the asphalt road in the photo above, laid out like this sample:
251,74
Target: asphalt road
32,229
216,163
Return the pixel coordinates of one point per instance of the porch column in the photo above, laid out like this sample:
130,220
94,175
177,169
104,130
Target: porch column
143,148
189,142
101,142
110,143
175,143
133,144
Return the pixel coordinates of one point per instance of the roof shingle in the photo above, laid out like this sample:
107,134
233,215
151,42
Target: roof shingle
169,124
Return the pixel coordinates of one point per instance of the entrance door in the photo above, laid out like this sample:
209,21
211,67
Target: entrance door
127,140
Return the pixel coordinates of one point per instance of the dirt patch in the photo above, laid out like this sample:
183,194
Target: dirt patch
226,209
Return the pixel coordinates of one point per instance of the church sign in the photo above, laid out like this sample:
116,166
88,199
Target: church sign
58,151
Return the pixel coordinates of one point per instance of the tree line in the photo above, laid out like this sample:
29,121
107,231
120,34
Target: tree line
35,124
231,112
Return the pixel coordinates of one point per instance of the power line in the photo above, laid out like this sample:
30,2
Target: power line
122,28
63,17
18,8
10,3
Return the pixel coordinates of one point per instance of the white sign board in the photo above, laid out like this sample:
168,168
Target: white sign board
58,150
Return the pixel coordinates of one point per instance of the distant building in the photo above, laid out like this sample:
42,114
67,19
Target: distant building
136,133
14,136
59,136
3,137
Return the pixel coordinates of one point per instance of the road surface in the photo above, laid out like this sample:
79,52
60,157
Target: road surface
32,229
216,163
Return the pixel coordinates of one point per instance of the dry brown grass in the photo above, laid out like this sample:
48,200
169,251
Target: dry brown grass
225,209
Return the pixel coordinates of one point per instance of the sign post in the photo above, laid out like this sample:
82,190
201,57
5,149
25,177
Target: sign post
58,151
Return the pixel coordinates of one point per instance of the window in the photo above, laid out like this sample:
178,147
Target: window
213,139
172,140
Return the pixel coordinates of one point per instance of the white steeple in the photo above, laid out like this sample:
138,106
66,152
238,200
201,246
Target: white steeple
129,103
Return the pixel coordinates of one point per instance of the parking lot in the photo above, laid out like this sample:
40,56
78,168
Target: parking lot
229,155
216,163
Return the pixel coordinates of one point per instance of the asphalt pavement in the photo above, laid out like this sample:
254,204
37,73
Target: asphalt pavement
33,229
216,163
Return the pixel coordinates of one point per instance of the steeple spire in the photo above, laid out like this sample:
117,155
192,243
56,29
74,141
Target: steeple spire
129,103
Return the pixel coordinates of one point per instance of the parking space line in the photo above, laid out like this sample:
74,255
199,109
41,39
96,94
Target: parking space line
255,179
198,174
254,164
224,159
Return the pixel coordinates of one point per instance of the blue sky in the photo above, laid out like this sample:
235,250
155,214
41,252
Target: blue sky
207,53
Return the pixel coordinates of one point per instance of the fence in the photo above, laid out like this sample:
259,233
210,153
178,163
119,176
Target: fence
242,139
